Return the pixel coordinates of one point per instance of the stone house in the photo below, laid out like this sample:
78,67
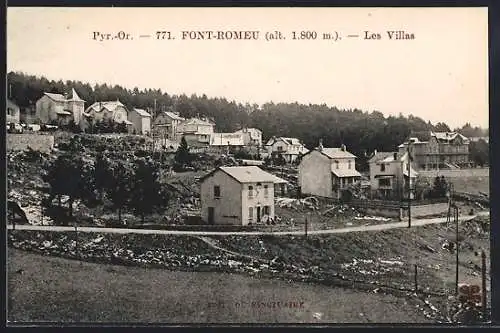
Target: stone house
58,109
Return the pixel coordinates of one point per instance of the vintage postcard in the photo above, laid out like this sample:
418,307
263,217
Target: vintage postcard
180,166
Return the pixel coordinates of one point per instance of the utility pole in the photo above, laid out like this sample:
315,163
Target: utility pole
306,227
456,245
409,184
483,277
76,240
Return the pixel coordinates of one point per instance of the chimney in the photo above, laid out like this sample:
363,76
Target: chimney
320,146
375,152
343,148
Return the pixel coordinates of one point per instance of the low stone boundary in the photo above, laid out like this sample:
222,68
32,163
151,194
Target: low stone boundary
38,142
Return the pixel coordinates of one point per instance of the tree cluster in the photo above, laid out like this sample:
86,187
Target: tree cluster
129,184
361,131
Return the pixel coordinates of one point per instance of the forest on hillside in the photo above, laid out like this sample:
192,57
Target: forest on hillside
361,131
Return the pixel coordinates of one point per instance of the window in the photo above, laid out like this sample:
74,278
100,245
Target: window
384,182
267,210
216,191
250,213
349,164
250,191
280,148
336,164
9,112
382,167
266,190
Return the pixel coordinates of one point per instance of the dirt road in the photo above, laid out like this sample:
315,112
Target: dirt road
378,227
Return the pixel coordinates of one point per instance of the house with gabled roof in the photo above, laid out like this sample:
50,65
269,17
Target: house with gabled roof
141,121
196,131
437,150
58,109
390,174
251,136
238,195
326,172
165,125
289,148
108,110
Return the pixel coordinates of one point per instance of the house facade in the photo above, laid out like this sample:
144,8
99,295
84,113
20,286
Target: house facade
437,150
197,132
289,148
238,195
13,112
110,110
251,136
141,121
58,109
226,142
391,174
165,125
326,172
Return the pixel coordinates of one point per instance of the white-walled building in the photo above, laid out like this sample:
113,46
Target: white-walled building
389,174
289,148
325,172
238,195
141,121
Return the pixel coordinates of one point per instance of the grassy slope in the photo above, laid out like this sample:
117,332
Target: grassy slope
61,290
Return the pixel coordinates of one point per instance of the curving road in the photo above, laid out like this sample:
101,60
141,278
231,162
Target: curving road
377,227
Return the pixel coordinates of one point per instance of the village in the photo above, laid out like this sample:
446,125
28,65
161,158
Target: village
245,204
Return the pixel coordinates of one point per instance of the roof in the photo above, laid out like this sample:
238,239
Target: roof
336,153
197,121
226,139
341,173
287,141
74,96
173,115
56,97
448,136
248,174
142,112
108,105
383,156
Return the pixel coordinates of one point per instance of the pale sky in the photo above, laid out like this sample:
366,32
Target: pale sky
441,75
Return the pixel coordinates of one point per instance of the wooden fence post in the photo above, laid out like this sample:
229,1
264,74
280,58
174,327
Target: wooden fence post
416,278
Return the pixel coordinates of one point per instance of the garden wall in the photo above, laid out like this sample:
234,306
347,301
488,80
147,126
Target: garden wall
38,142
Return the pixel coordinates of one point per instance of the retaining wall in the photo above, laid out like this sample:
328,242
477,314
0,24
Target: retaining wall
455,173
39,142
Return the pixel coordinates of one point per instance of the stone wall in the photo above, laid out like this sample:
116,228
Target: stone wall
39,142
